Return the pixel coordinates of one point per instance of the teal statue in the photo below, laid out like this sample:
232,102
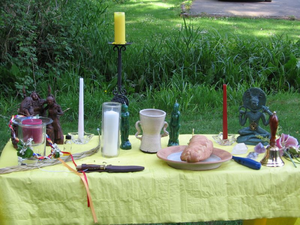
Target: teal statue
254,110
125,143
174,126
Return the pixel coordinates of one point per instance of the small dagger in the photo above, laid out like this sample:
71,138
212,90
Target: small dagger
108,168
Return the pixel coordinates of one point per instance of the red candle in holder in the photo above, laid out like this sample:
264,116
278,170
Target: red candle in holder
33,129
225,124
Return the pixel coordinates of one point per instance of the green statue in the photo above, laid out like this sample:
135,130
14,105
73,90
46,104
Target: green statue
125,144
174,126
254,110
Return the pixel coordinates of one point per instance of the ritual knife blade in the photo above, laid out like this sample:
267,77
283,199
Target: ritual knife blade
247,162
108,168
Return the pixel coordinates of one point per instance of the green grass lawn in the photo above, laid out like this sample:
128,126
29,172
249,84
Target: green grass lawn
147,19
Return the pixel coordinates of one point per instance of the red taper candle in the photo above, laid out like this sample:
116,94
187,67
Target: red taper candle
225,123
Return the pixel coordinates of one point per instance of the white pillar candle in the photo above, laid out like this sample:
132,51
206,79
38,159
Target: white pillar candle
111,133
81,112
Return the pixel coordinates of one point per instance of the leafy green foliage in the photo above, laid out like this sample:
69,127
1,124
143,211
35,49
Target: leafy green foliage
42,40
27,152
41,37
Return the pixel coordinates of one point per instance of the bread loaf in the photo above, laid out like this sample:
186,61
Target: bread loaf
198,149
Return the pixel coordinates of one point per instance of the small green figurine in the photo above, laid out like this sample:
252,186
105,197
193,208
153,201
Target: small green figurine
254,110
174,126
125,144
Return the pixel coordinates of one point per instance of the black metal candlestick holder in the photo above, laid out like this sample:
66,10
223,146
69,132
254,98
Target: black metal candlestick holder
120,92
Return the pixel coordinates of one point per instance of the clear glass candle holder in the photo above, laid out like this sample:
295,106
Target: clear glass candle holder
111,114
33,128
225,142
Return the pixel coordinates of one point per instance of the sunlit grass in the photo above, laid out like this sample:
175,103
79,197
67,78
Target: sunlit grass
141,15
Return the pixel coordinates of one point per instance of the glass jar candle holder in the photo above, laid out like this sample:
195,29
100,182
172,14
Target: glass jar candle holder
111,112
33,128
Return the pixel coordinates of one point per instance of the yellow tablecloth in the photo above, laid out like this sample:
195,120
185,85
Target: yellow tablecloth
159,194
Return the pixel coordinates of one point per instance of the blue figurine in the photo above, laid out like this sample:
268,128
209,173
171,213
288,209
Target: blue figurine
254,110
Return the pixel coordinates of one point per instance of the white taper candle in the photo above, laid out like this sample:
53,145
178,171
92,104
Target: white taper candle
81,112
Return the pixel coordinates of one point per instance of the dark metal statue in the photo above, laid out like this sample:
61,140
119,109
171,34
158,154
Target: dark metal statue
174,126
120,92
254,110
125,143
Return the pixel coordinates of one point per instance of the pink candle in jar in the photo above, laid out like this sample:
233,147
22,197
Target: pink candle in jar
33,129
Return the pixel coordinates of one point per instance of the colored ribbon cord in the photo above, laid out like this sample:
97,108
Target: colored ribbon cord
86,188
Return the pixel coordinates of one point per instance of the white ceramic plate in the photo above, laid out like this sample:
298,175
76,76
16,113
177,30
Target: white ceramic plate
171,155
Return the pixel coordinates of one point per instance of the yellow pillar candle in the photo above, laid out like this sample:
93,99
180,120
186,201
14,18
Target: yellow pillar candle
119,28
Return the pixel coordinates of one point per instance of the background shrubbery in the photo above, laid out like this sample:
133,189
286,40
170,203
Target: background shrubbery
42,40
